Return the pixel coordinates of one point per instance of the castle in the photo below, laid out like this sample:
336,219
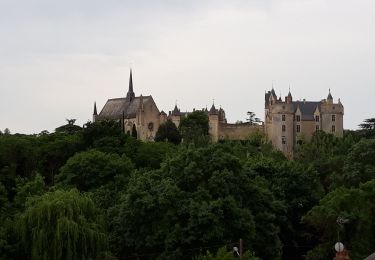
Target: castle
286,122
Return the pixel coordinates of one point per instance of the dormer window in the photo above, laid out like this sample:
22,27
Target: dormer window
317,118
298,118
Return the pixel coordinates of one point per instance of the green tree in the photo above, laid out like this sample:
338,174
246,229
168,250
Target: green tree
69,128
6,131
151,155
199,197
357,207
223,254
194,128
92,169
359,166
95,131
298,187
53,151
168,132
62,225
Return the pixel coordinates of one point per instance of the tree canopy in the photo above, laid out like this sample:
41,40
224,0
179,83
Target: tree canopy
98,193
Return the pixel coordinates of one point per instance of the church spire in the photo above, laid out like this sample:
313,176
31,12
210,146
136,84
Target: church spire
95,110
130,95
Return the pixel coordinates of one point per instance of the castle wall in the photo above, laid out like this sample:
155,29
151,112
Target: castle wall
237,131
307,130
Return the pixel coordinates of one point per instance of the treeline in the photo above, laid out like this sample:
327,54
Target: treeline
97,193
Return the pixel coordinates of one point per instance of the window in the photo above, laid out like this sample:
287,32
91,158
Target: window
317,128
333,129
298,128
283,128
283,140
333,118
283,117
298,118
317,118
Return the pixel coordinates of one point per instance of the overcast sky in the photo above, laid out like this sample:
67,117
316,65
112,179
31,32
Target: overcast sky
58,57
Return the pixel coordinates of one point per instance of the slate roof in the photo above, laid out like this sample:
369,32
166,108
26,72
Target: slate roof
114,108
307,109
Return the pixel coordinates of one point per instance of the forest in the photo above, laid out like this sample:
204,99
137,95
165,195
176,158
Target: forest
98,193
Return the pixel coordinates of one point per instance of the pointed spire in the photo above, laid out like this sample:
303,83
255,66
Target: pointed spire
95,110
130,95
329,95
213,109
289,94
131,81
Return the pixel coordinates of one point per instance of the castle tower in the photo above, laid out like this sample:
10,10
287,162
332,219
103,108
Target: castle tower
95,114
289,98
329,98
176,115
332,116
130,95
213,120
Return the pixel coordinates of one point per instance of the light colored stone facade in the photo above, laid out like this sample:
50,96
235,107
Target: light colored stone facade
288,121
219,129
139,112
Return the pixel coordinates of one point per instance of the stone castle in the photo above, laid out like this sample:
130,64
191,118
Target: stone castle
286,122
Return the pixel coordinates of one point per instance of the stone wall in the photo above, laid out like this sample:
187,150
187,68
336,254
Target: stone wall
238,131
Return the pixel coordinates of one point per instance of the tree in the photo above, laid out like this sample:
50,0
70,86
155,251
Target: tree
91,169
6,131
252,119
356,207
53,151
367,128
223,254
168,132
69,128
194,128
368,124
150,155
62,225
298,187
359,166
199,197
95,131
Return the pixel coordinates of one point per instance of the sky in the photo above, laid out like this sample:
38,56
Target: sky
58,57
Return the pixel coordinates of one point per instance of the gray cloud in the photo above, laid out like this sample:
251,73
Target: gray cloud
57,57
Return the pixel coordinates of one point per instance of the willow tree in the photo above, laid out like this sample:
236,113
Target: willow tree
62,225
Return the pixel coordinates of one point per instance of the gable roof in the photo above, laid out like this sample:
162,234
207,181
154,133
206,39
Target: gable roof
307,109
114,108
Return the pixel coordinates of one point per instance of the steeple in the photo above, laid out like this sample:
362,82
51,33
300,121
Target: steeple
289,98
95,114
130,95
213,110
329,95
95,110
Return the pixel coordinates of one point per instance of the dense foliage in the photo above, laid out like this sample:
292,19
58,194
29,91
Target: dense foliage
98,193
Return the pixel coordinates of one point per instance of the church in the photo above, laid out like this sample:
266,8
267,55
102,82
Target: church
139,114
142,118
286,122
